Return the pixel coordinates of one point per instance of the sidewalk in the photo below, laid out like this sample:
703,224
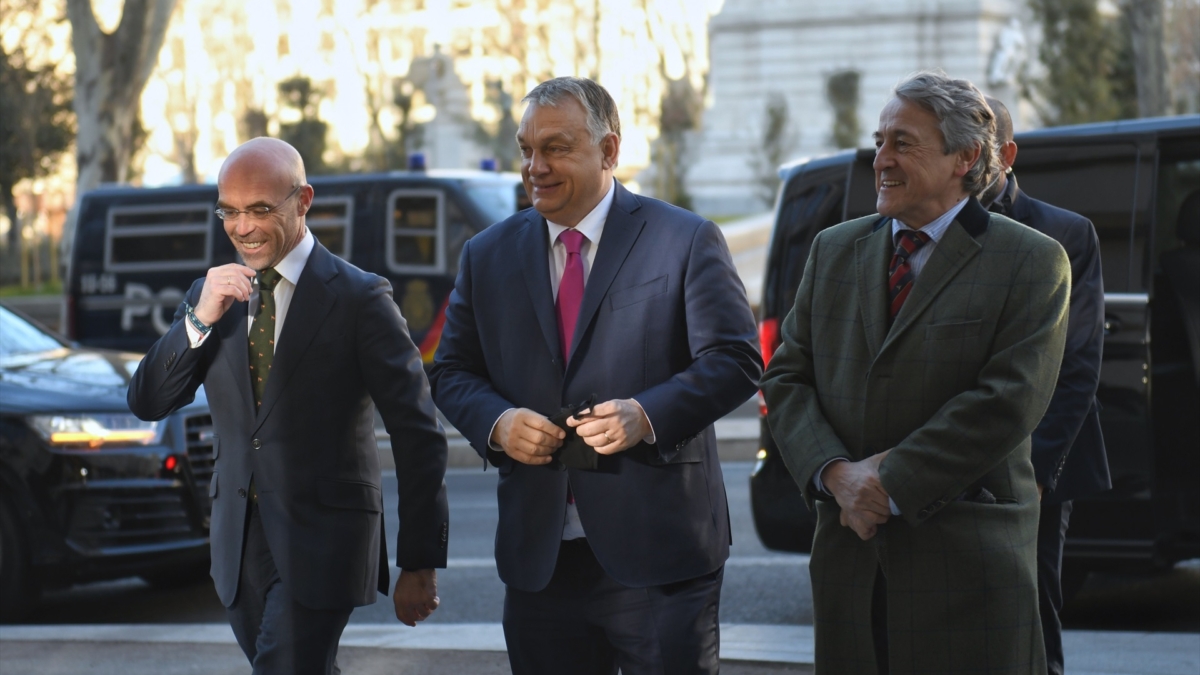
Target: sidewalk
478,648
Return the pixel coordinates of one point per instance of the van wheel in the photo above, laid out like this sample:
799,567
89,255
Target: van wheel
19,590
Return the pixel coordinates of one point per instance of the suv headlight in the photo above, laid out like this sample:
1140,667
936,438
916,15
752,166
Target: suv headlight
95,431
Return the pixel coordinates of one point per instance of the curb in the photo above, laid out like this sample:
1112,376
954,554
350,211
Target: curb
1088,652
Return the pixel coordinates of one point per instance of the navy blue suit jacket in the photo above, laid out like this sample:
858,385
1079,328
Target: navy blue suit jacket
665,321
1068,447
310,448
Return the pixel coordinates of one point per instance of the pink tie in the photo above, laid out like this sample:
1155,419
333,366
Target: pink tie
570,290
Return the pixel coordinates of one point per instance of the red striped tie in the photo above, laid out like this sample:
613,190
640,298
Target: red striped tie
900,274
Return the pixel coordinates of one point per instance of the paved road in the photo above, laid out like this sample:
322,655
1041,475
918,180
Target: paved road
761,587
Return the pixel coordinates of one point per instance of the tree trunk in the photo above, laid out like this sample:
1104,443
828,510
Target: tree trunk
1150,61
111,70
10,208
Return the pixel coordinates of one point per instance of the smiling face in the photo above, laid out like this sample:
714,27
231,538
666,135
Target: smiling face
565,174
263,174
915,179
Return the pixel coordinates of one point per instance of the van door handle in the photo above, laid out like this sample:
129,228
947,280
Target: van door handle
1112,325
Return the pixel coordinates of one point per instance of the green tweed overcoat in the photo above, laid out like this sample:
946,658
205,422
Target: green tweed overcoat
954,387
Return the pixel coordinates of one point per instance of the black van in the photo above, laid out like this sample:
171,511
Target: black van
136,251
1130,178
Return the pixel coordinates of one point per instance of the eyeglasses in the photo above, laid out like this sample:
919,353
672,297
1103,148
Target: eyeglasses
255,212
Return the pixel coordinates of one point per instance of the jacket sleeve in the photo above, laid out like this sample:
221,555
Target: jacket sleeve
1075,392
391,367
726,363
805,438
169,375
977,429
459,378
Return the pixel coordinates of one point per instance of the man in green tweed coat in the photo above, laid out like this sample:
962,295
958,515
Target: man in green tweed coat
921,353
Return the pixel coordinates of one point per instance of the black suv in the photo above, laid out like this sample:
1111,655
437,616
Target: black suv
1131,179
87,490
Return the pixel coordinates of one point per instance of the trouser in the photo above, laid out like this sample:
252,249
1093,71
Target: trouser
586,623
1052,532
279,635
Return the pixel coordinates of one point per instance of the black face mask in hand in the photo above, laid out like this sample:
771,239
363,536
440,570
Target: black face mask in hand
574,453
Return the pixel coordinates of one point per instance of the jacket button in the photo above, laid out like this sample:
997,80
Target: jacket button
256,444
923,513
170,360
242,492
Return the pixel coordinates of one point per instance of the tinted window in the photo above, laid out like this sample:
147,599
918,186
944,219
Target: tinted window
415,230
329,220
1103,182
810,203
159,237
1178,178
458,231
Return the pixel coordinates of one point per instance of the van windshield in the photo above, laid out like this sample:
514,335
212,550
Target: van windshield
495,198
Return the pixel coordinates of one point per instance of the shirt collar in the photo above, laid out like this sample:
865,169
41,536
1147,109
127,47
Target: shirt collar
935,229
293,263
592,225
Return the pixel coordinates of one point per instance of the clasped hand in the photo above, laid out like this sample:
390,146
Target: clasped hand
611,427
859,493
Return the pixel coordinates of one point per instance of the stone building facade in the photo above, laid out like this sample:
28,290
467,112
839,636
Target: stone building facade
797,48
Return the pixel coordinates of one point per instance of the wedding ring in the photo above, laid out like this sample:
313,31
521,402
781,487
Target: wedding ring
610,440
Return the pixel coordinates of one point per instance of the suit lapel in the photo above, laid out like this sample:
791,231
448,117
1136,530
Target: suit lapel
953,252
235,350
621,230
872,255
311,303
533,253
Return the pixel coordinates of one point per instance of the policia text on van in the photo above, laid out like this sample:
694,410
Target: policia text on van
137,250
1131,179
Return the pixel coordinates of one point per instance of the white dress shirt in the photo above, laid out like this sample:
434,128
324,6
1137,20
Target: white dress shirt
289,270
936,229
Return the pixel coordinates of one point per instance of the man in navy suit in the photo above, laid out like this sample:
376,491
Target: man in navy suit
1068,454
297,507
596,291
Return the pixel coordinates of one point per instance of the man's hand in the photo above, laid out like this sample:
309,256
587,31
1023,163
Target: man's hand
612,426
415,596
527,436
859,493
223,286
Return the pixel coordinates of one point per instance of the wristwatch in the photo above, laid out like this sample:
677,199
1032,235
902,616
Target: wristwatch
196,323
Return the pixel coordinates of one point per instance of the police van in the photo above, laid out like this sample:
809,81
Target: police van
1136,181
136,251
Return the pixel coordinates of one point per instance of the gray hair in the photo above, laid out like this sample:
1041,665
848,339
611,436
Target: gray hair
601,110
964,118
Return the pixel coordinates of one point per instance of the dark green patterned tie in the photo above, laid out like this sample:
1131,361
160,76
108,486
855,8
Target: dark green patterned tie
262,334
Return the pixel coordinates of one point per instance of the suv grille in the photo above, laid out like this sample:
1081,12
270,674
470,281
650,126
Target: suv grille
199,430
129,517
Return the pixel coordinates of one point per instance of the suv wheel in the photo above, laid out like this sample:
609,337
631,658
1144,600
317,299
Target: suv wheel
19,589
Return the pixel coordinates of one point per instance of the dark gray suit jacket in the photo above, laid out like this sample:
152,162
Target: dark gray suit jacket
1069,458
310,449
665,321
